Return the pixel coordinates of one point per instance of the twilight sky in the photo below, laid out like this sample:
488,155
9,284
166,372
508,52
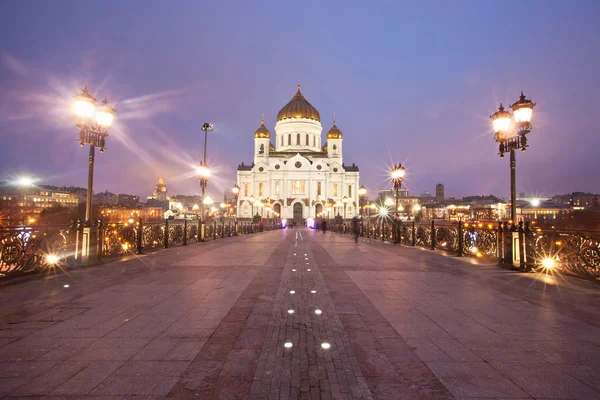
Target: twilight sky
409,82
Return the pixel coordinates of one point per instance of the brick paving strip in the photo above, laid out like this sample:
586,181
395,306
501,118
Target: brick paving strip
246,357
390,366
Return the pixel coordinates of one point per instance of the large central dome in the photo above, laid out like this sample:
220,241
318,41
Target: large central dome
298,107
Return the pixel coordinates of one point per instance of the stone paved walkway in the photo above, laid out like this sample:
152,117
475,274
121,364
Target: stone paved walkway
213,320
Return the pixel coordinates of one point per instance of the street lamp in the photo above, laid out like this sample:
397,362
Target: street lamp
206,127
252,200
362,192
397,177
511,137
236,192
345,201
92,131
203,175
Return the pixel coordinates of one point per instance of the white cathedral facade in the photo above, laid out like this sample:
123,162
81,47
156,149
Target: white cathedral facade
297,177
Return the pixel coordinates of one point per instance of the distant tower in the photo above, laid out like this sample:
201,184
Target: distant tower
160,192
439,192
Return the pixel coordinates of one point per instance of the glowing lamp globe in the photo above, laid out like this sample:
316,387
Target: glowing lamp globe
501,120
235,189
85,104
203,171
105,114
523,109
398,173
362,191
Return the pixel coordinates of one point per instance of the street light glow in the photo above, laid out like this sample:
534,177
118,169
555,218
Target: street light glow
24,181
548,263
52,259
535,202
208,200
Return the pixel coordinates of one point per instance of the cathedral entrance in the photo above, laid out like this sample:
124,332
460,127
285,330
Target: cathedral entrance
298,219
277,208
318,210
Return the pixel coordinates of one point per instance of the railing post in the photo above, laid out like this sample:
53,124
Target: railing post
414,234
460,239
222,230
529,247
200,230
72,244
140,232
185,232
166,235
432,235
99,240
522,256
500,244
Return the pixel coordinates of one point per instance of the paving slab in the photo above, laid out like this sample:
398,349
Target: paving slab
297,314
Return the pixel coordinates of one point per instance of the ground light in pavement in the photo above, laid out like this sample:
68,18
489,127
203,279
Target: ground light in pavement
308,269
290,311
293,270
66,286
292,291
318,312
325,345
288,345
313,291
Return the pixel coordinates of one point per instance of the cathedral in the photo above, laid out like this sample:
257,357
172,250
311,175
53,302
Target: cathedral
293,174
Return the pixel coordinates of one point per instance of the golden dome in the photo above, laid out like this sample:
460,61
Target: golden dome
324,148
334,132
262,131
298,107
271,147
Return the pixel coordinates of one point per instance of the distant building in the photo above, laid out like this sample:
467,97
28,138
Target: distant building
578,199
105,198
23,205
439,192
160,191
113,214
128,200
425,195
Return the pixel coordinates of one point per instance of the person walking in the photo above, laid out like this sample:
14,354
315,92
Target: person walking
355,228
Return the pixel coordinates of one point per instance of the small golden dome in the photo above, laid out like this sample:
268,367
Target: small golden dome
298,107
271,147
262,132
324,148
334,132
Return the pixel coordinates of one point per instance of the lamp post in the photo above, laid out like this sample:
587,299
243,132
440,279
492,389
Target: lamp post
236,192
94,125
345,201
397,177
203,175
511,137
206,127
252,200
362,192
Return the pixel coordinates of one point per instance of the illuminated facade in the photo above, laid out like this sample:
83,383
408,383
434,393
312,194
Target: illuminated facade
160,191
298,176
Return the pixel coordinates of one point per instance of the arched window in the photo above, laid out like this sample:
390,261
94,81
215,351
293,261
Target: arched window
307,139
245,190
334,149
298,139
289,139
314,141
260,189
318,187
261,150
334,189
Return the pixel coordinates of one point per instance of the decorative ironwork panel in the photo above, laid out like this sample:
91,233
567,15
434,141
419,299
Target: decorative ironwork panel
175,232
423,235
406,231
573,252
153,235
118,239
29,249
446,238
192,232
480,242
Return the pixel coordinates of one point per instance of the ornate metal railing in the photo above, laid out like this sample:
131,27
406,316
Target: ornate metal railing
571,252
26,249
